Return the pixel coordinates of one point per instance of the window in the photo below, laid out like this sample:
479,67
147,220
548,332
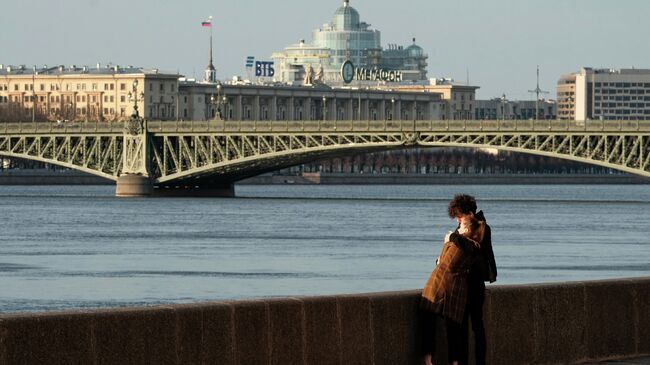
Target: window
94,86
42,87
162,86
16,87
151,86
123,99
105,87
112,99
112,87
122,86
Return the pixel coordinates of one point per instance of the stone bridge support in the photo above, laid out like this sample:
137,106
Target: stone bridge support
134,181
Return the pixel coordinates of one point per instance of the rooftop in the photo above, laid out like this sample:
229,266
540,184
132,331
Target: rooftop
60,70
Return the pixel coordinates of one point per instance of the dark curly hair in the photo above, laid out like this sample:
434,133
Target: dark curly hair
461,204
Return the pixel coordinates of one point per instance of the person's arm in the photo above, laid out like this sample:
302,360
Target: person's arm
464,243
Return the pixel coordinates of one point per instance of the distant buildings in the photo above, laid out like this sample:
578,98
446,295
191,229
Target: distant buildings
460,99
604,94
504,109
239,101
106,94
346,38
86,93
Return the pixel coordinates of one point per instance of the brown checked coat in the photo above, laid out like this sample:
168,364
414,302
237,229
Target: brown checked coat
445,292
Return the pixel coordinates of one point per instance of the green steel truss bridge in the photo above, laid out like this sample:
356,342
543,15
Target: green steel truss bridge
210,156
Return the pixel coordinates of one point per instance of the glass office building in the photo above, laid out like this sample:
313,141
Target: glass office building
347,38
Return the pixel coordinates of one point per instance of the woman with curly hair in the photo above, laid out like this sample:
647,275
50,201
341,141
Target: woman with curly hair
445,293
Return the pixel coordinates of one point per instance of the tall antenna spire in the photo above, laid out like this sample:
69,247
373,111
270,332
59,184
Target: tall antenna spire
537,91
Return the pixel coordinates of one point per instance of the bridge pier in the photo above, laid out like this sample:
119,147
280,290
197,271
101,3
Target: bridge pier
132,186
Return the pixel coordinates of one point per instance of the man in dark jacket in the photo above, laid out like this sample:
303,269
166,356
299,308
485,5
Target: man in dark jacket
484,269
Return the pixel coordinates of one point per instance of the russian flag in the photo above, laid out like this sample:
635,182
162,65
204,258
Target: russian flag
207,23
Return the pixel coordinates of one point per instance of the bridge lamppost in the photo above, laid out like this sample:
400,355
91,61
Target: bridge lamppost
136,98
504,104
219,101
392,109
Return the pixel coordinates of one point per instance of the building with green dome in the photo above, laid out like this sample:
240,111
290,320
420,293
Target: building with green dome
346,37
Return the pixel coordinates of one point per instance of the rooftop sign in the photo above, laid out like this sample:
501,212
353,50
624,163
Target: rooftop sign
349,73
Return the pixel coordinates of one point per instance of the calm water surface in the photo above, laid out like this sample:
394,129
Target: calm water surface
77,247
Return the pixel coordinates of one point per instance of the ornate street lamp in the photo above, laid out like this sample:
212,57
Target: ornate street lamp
504,104
219,101
136,98
135,124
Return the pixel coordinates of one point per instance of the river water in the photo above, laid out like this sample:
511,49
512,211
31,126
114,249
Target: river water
80,247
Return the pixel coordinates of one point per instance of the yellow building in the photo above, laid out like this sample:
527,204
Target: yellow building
460,99
85,93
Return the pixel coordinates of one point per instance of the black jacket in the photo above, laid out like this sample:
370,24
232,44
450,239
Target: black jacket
485,268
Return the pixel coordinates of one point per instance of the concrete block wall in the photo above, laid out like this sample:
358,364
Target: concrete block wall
532,324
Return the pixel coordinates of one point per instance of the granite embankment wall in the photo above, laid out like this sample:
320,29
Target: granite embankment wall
72,177
50,177
445,179
533,324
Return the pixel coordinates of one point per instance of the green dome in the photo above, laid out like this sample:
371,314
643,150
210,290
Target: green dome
346,17
415,51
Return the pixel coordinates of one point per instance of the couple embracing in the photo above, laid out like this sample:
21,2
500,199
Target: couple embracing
455,291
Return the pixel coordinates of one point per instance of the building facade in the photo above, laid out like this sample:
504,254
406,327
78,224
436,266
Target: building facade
503,109
604,94
459,99
346,38
201,101
85,93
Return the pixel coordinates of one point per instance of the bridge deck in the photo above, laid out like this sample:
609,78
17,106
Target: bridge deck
207,153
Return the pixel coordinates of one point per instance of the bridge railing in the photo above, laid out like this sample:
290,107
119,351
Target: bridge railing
61,127
591,126
398,126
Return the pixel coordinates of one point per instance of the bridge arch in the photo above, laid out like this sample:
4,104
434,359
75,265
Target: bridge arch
165,153
248,154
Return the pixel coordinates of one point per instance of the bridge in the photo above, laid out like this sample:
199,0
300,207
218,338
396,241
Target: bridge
206,158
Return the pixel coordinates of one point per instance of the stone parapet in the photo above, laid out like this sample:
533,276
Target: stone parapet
564,323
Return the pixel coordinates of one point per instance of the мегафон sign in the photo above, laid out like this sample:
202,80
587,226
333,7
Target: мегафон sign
349,73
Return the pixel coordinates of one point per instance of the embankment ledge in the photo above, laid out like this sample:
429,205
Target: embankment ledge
562,323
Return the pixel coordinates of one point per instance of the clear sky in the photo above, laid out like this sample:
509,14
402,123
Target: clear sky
500,42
